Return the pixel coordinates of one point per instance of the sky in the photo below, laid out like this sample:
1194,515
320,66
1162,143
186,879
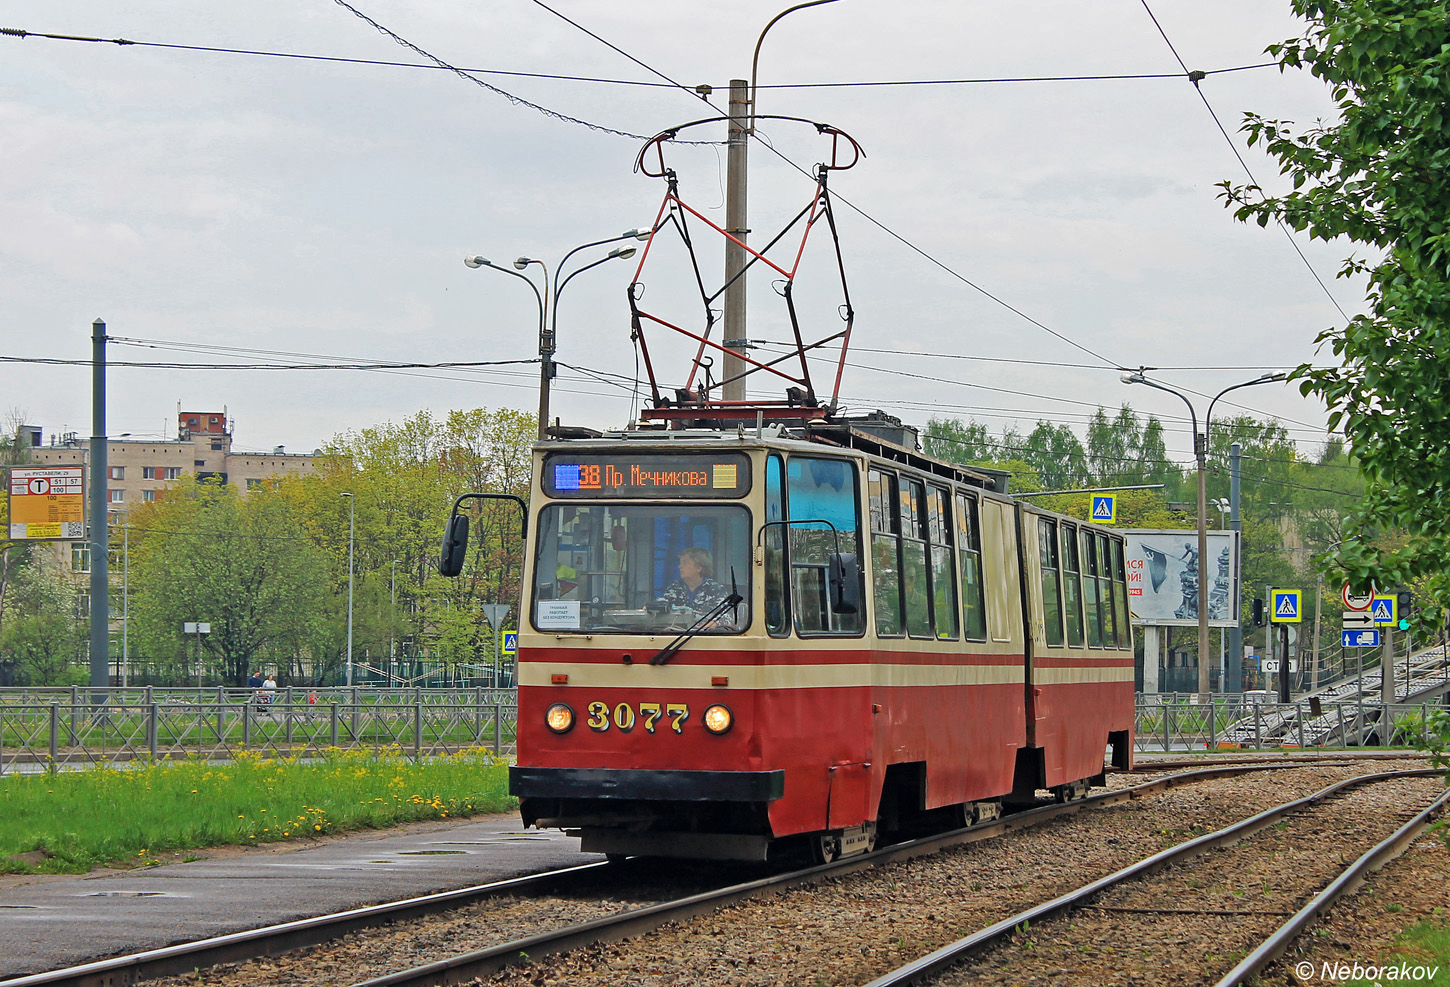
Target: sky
1008,245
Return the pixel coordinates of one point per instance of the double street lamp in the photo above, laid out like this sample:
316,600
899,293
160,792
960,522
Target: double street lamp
1200,455
549,303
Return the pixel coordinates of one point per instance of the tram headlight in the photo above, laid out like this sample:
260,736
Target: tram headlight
559,718
718,718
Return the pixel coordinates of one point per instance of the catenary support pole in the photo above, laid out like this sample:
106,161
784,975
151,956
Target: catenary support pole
1235,632
737,154
100,572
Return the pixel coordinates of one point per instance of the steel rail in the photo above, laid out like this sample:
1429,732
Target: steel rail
276,939
934,963
485,962
1353,876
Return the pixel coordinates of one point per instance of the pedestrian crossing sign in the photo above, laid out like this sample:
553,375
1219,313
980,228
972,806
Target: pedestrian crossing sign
1105,508
1384,610
509,646
1286,607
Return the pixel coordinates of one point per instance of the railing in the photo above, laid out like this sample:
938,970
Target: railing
1182,724
56,728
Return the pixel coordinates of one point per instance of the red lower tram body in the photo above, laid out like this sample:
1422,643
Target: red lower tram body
835,761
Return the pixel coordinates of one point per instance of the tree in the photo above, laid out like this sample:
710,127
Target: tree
243,565
43,637
958,441
1056,454
14,451
1378,177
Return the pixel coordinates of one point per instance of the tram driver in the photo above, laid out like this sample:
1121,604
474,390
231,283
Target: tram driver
697,590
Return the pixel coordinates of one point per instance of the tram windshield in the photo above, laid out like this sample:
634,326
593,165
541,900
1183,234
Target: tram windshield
641,568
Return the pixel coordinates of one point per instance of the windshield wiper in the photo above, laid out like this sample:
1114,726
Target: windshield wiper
714,613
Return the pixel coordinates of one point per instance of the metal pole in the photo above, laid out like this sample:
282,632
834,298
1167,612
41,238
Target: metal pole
1318,593
1283,662
547,348
736,256
1236,631
125,605
1201,444
100,570
392,624
1387,684
351,514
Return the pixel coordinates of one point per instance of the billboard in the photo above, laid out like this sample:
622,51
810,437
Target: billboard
1163,577
47,502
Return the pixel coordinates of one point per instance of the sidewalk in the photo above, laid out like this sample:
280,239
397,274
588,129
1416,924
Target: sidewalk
56,921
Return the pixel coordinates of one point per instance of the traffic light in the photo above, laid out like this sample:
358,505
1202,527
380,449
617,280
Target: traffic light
1258,612
1403,603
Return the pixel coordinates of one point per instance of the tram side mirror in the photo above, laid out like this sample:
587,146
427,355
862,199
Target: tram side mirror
455,545
844,577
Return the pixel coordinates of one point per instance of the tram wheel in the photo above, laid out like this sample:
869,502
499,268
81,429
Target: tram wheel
825,847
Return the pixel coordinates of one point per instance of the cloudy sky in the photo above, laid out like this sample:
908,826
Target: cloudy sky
1008,244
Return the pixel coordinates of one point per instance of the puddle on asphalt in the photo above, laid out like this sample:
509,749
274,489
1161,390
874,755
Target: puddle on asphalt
428,853
130,894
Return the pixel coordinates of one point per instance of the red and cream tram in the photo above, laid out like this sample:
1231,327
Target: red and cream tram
737,638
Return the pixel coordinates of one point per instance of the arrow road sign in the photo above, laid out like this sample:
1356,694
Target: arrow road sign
1358,618
1359,639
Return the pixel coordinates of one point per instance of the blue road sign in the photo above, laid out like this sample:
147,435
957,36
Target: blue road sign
1105,508
1359,639
1384,610
510,646
1285,607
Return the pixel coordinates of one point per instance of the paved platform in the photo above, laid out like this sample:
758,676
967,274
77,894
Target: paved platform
58,922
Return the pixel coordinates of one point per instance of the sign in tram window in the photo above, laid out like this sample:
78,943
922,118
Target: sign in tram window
594,474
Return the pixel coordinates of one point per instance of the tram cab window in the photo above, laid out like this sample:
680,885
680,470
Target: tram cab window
1092,602
824,512
1051,590
1071,587
640,568
969,547
885,576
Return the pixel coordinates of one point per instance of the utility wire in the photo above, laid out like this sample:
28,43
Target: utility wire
1195,78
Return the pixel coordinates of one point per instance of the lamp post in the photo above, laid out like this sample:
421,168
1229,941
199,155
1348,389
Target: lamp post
549,303
351,512
1200,455
393,621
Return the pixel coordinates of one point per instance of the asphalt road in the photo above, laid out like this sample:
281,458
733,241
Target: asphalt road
58,922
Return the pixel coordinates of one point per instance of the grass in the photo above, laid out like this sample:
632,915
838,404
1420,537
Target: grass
69,822
1425,944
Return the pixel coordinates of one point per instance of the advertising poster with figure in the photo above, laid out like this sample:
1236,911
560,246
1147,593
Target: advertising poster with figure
1163,577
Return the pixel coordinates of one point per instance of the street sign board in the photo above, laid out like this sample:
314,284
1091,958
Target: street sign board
1359,639
1385,610
1285,609
1356,601
47,502
1272,665
495,612
1358,618
1105,508
509,644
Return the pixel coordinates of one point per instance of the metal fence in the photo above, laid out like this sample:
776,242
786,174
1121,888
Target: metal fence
1180,723
58,728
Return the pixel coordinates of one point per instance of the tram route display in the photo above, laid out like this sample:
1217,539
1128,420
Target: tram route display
725,475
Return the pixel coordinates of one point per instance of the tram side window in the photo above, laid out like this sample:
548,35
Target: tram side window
943,567
969,545
1105,594
914,580
1071,587
1120,593
777,612
1091,603
885,576
824,518
1051,590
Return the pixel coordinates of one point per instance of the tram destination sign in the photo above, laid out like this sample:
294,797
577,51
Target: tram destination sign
645,475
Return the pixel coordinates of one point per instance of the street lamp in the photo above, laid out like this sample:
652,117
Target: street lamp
545,300
1200,455
393,621
351,511
1221,504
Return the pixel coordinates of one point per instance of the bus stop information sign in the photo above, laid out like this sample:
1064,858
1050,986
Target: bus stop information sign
48,502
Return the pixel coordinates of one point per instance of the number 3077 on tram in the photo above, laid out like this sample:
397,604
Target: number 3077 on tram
740,642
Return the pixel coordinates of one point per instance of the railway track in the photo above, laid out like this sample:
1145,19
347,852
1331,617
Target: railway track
946,965
294,935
